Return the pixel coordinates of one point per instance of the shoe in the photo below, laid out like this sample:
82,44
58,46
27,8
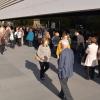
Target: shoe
60,96
42,78
2,53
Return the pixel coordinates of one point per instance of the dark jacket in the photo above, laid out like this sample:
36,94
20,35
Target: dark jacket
65,64
98,53
80,39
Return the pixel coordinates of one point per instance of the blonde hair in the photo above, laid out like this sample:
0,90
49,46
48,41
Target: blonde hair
44,40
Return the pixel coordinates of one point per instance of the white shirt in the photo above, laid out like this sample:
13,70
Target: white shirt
19,34
11,36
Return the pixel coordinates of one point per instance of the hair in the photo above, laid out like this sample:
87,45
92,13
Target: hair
94,40
64,45
64,34
43,40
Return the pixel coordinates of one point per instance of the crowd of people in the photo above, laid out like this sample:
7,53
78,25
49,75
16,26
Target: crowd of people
60,46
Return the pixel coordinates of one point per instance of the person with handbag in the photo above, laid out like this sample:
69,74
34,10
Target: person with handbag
91,60
43,55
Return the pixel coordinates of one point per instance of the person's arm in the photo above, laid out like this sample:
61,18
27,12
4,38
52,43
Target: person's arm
58,51
39,54
61,65
49,54
87,50
72,57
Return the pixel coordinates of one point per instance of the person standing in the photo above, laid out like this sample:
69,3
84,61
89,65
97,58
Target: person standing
16,35
12,45
22,35
2,40
64,40
80,44
55,41
65,71
30,37
43,55
47,36
91,60
19,36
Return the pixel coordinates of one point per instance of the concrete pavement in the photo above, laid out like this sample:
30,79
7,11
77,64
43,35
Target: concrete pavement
19,79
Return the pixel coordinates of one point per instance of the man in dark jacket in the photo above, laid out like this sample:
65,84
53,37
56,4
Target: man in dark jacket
65,71
80,44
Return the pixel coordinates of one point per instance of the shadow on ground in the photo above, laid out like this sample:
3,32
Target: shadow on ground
81,70
47,82
53,68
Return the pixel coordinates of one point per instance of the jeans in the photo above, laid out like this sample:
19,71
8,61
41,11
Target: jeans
65,92
44,67
30,43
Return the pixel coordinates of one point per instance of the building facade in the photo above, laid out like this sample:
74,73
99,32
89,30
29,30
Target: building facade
25,8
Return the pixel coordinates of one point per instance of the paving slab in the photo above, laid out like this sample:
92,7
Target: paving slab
19,78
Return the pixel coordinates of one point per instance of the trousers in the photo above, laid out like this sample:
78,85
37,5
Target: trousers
90,72
44,66
2,48
65,92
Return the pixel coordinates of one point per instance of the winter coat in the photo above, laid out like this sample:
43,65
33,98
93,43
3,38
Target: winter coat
91,59
30,36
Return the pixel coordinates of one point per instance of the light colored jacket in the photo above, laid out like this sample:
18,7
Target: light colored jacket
91,59
44,52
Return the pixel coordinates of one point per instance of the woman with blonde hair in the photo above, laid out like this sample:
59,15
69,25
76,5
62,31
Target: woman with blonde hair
64,41
47,36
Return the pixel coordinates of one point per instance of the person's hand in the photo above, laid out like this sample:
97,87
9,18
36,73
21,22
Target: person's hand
45,58
42,58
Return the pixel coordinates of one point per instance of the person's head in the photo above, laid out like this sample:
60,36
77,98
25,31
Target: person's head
89,40
56,34
47,35
30,29
94,40
64,45
64,35
77,33
21,28
45,42
17,28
